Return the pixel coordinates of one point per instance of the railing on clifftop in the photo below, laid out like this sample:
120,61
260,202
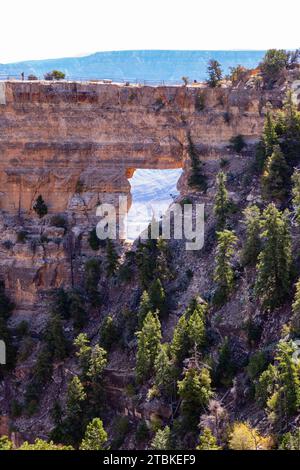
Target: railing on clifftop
122,80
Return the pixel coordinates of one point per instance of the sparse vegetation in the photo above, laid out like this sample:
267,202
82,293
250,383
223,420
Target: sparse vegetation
237,143
214,73
55,75
40,207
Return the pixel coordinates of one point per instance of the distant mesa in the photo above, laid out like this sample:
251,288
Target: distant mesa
151,65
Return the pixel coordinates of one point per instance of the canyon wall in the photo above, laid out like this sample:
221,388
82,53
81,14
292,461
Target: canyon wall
53,135
77,144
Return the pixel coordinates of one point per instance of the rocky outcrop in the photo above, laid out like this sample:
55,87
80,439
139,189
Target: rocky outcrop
53,135
77,144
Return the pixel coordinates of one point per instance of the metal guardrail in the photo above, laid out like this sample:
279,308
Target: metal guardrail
74,78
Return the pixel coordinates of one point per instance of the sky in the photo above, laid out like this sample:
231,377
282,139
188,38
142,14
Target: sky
33,29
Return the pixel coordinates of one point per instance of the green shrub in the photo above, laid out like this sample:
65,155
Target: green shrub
109,334
254,331
92,276
214,73
273,64
25,349
189,273
21,236
120,430
55,75
59,221
142,432
227,117
226,368
22,329
44,239
16,409
200,102
77,308
40,207
223,162
197,178
93,240
257,364
237,143
60,303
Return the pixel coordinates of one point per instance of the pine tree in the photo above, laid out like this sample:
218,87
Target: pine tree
197,177
144,308
225,369
214,73
162,439
73,425
189,333
180,343
148,346
275,176
295,320
55,337
57,433
84,350
195,391
288,129
97,363
296,194
288,397
109,333
91,278
93,240
75,397
290,440
157,297
266,384
95,436
279,385
60,303
252,243
196,327
274,262
163,260
222,204
270,137
224,274
273,64
77,309
207,441
40,207
146,258
112,258
164,370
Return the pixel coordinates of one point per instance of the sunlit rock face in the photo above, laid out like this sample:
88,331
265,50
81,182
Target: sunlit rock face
53,135
78,144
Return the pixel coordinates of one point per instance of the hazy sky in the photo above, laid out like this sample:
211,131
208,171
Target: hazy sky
32,29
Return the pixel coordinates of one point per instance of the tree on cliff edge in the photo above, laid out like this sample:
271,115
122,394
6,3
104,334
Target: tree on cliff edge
40,207
214,73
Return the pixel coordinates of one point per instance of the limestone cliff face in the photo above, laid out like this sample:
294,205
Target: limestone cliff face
52,135
76,144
